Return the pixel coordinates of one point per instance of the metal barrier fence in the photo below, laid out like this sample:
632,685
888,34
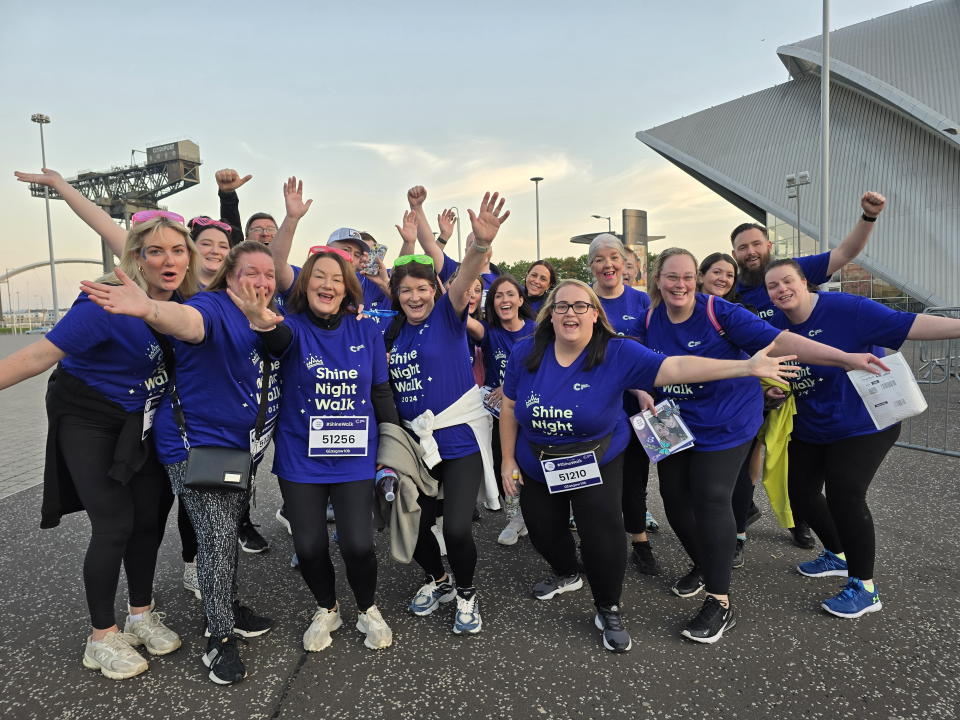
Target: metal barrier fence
936,365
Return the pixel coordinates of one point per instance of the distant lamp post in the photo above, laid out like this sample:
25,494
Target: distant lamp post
607,218
794,182
42,120
459,247
536,186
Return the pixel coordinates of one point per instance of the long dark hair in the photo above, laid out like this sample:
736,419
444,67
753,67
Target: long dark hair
490,310
351,300
709,261
544,336
551,271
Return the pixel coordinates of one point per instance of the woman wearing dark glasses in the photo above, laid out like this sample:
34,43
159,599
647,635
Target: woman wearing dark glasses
439,402
100,455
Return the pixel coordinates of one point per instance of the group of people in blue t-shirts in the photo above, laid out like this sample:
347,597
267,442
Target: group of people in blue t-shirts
463,384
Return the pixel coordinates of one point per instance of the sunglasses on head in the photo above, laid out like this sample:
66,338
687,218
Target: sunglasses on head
204,221
144,215
420,259
331,250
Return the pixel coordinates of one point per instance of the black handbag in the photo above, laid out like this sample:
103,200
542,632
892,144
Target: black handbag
597,447
214,467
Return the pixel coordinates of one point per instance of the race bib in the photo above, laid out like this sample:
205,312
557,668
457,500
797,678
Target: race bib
258,445
149,410
337,435
571,472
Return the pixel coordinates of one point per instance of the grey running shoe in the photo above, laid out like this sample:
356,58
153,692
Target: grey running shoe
550,587
150,632
114,656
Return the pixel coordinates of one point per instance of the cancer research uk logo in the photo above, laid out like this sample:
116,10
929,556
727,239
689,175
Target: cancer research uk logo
580,386
316,424
549,466
814,333
693,344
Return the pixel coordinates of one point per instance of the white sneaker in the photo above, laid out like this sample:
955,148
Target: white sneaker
152,633
515,529
282,519
437,530
371,623
190,581
317,637
114,656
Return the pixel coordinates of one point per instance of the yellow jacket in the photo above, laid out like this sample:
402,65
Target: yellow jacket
775,434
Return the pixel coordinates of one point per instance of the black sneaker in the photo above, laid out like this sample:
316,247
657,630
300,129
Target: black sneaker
802,537
738,561
223,659
247,623
711,622
550,587
250,539
753,514
690,584
615,636
643,558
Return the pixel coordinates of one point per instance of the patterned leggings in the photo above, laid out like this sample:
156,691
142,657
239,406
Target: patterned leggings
215,515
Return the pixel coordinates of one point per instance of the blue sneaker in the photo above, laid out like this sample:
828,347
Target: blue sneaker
853,601
466,618
429,597
826,565
651,522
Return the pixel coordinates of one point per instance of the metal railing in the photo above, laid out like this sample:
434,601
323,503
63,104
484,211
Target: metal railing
935,363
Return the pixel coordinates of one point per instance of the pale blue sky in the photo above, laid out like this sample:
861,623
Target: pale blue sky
364,100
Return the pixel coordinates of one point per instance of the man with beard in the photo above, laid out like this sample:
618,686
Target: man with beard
751,250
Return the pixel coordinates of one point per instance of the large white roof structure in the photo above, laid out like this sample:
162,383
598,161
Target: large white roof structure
895,116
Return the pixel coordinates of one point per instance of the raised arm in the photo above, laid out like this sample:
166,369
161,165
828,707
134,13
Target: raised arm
446,221
816,353
486,224
415,196
690,368
170,318
228,180
28,362
93,215
934,327
280,247
872,204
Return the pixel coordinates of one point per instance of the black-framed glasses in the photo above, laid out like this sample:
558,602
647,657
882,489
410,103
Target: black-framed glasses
579,308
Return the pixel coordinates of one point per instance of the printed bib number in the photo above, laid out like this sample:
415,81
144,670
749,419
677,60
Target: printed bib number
572,472
258,445
149,410
338,435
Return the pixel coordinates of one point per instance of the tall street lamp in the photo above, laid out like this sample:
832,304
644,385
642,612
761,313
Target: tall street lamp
794,182
42,120
459,248
607,218
536,187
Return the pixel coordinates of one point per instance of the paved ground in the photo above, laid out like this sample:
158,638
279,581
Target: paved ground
533,659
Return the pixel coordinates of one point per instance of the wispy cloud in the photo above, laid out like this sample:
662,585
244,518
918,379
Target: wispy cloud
402,155
250,151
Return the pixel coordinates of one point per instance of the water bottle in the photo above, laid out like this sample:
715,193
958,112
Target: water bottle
386,482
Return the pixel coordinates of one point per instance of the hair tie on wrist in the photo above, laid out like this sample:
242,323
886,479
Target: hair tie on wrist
869,218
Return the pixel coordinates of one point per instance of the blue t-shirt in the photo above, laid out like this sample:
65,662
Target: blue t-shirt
282,296
116,355
724,413
628,312
497,345
756,296
561,405
375,299
535,303
327,376
430,370
218,381
450,266
828,406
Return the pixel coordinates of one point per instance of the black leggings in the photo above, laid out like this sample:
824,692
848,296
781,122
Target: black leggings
636,468
697,491
460,480
124,519
846,467
743,491
306,505
188,536
597,512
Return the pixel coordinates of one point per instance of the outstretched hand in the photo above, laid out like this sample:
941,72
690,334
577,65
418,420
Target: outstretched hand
128,298
416,195
872,203
254,303
229,179
293,198
408,231
445,221
487,222
47,177
867,362
762,365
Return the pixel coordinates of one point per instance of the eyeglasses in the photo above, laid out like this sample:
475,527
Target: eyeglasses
144,215
676,278
561,308
327,249
271,231
421,259
204,221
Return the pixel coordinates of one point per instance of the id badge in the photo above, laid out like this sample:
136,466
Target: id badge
258,445
149,410
341,436
571,472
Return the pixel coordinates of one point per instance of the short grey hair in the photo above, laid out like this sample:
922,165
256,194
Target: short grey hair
605,241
